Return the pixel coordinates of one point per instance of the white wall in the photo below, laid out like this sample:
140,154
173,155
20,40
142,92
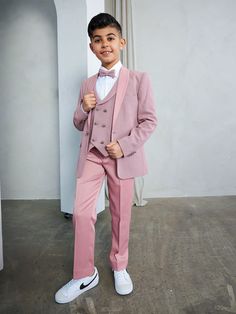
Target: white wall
93,64
73,62
93,8
189,48
46,44
29,139
72,68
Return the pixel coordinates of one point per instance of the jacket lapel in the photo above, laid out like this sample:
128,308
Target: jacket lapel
120,93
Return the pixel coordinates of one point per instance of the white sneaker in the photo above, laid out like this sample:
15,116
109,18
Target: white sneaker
123,282
75,287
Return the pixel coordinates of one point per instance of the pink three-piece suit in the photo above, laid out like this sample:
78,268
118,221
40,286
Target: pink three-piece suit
126,114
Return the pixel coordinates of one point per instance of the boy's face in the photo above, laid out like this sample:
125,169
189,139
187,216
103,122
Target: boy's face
106,44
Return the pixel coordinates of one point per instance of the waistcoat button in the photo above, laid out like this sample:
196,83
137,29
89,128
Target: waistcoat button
101,142
105,110
103,126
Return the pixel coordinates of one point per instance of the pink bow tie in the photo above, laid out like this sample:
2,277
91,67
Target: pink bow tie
110,73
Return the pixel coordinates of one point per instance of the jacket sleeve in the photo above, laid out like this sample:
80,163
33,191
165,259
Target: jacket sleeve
79,115
146,118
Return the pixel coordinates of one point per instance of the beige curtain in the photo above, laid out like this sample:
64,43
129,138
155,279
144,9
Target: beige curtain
122,11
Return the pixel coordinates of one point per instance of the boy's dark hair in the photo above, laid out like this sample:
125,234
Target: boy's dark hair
103,20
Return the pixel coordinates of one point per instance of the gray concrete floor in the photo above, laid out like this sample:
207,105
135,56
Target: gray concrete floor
182,259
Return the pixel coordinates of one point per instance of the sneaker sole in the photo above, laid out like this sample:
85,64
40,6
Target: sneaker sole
124,292
76,295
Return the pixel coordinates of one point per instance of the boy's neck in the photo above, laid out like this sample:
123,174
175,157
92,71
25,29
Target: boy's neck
109,67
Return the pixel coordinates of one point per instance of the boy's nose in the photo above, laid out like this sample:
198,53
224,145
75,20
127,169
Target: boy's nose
104,44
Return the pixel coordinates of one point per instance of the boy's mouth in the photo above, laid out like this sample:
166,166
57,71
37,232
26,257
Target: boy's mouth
105,53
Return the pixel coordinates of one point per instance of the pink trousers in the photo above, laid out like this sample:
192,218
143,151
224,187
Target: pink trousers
84,217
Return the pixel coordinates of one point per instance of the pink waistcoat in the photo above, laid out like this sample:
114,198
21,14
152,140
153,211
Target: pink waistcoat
102,122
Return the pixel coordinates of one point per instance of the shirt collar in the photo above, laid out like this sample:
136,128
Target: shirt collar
115,67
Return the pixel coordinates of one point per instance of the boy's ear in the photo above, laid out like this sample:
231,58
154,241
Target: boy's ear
122,43
91,47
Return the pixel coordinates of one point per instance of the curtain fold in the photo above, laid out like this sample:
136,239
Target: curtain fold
122,11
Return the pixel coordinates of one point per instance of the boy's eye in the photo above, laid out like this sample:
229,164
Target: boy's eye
110,38
96,40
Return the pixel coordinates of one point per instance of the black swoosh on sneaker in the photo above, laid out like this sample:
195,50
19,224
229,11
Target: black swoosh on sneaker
82,286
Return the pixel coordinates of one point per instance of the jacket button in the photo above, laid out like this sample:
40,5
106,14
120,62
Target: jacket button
87,133
101,142
103,126
105,110
95,123
93,140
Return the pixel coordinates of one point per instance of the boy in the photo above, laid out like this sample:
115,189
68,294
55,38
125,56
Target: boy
116,114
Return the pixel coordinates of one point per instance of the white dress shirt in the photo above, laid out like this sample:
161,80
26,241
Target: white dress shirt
105,83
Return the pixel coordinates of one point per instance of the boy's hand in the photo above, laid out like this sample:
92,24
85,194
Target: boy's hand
114,150
89,101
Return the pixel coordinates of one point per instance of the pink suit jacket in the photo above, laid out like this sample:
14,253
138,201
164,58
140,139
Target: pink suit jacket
134,120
